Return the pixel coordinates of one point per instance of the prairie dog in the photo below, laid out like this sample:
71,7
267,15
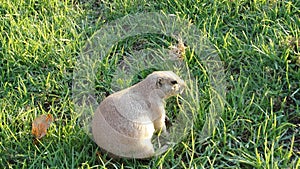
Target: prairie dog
125,121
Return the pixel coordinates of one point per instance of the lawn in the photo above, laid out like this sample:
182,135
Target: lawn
257,41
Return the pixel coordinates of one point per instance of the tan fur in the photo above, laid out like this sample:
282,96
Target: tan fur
125,121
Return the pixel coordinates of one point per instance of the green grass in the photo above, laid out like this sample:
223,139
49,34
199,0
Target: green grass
258,41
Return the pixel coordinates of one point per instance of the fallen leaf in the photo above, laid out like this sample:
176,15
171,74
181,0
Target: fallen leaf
40,125
178,52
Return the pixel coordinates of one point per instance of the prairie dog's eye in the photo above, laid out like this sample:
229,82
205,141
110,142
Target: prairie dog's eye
173,82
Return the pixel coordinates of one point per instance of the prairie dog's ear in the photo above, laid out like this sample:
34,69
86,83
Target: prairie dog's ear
159,82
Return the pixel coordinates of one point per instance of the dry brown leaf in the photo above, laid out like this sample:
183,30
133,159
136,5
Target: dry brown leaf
178,52
40,125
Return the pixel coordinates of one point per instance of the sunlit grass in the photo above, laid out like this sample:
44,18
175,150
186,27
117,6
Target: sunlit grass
258,42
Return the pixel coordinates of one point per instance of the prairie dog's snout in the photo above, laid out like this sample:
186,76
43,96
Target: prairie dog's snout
178,86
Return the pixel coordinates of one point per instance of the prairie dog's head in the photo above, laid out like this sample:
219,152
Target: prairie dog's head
168,82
